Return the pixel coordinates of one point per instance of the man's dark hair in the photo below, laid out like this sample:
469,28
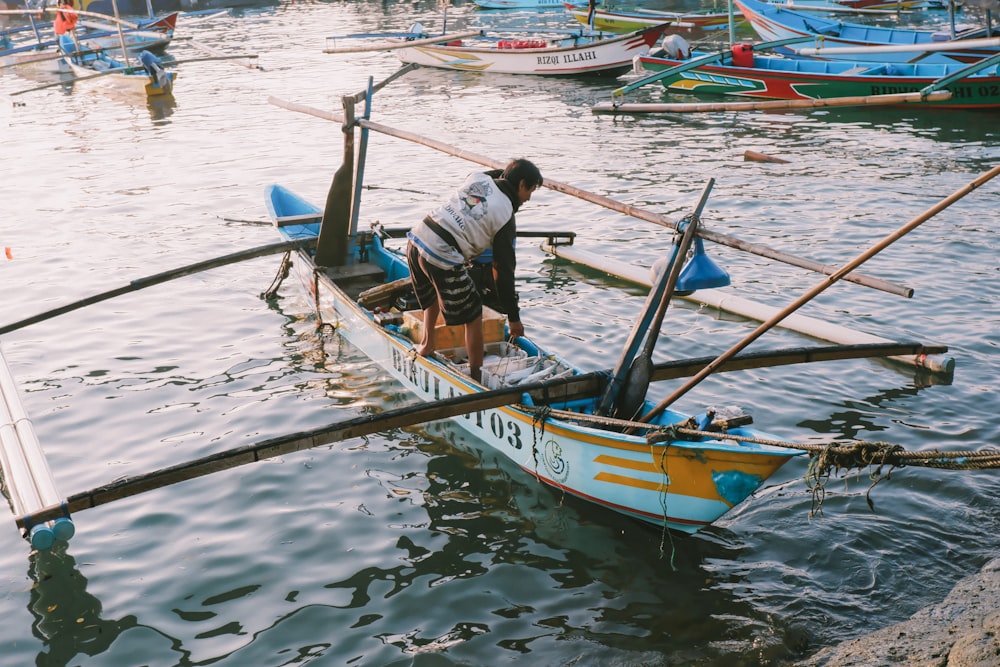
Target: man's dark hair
520,170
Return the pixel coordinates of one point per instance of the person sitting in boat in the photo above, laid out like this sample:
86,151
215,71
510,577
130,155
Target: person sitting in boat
479,216
65,21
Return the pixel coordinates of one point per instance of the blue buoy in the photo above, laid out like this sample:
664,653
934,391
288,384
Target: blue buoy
701,272
42,537
63,528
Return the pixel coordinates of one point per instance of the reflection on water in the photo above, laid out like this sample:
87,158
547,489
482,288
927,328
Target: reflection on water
68,619
422,545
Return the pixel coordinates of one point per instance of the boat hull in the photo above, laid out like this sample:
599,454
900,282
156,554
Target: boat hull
133,80
686,485
788,79
608,55
772,22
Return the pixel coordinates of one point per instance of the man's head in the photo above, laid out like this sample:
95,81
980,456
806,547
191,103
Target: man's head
523,175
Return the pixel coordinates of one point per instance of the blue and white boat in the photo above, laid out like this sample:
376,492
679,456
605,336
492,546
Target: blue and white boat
839,40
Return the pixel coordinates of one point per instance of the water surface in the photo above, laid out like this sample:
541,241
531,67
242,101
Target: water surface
423,547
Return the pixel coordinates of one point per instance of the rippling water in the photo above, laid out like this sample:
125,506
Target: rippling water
421,547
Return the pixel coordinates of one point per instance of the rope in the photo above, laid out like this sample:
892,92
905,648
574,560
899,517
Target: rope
538,432
272,291
880,458
855,454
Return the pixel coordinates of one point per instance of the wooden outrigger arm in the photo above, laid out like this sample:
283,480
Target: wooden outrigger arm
606,202
578,386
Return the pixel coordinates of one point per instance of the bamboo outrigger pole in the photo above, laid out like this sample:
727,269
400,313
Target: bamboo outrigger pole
149,281
606,202
557,389
773,105
819,288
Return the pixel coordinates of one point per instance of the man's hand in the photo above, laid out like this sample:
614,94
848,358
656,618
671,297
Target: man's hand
516,329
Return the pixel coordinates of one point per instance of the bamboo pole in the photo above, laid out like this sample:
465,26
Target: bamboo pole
219,55
959,44
149,281
606,202
53,84
822,286
773,105
389,46
807,326
127,24
565,388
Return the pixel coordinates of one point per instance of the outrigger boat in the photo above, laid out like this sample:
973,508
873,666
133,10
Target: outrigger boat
593,435
560,54
839,40
582,433
685,483
147,77
975,86
27,44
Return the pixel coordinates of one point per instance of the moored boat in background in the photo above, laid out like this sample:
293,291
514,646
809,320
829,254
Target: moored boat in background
839,40
767,77
549,53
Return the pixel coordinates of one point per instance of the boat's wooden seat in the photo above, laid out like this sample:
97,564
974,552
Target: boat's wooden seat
304,219
356,278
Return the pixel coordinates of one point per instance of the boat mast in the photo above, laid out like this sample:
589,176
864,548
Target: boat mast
121,35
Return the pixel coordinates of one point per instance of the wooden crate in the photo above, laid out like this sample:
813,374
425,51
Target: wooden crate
446,336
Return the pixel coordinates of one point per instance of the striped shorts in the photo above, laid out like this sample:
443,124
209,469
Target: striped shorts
453,289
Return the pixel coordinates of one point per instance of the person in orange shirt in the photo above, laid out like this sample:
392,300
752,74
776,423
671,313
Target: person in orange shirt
65,21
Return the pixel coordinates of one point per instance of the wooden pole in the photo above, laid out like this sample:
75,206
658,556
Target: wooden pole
632,396
149,281
331,248
219,55
121,35
579,385
822,286
961,44
606,202
773,105
730,303
389,46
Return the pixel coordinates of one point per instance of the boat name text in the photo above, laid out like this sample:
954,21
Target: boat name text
567,58
429,386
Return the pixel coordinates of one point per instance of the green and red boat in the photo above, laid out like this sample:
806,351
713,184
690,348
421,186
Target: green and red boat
756,77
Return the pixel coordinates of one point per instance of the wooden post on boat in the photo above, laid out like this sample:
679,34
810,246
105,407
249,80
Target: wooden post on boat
820,287
606,202
121,35
27,478
359,177
331,248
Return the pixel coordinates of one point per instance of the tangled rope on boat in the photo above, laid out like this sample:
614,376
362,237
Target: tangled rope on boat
825,460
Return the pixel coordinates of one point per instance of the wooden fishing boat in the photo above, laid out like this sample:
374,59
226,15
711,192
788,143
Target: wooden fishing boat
560,56
838,40
152,35
687,483
147,77
623,21
768,77
25,44
547,52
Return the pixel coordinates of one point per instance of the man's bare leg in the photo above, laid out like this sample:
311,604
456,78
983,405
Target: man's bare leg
430,326
474,347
